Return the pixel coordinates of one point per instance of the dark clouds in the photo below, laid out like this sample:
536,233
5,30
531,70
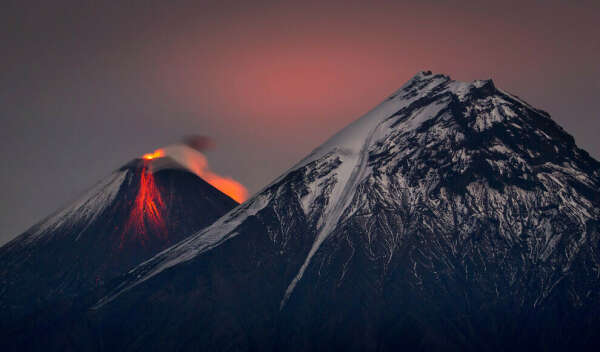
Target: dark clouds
198,142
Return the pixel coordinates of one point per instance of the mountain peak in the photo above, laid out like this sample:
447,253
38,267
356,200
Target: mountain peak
421,80
432,138
424,95
425,74
450,204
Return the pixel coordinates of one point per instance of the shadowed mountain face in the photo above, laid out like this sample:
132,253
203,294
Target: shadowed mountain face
453,216
139,210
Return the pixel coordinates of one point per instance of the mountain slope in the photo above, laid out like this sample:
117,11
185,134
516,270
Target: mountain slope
140,209
453,216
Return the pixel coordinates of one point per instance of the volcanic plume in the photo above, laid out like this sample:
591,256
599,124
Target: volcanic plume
190,157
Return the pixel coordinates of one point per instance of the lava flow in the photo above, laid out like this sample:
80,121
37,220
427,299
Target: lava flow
146,215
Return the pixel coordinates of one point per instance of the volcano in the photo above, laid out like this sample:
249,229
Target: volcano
454,216
140,209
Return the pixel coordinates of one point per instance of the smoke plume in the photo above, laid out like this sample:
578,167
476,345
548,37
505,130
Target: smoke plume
189,155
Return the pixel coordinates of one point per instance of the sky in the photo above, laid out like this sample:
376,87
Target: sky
85,86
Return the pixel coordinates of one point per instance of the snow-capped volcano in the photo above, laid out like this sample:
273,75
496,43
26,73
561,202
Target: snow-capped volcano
433,136
143,207
453,216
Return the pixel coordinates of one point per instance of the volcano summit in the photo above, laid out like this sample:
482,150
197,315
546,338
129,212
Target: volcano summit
140,209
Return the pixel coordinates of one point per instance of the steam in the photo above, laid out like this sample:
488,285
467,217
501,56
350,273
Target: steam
188,154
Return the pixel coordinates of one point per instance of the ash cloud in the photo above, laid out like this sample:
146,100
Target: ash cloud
198,142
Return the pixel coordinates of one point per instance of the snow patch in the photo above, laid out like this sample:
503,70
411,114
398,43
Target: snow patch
85,210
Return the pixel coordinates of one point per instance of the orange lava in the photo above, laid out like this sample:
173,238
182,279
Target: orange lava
158,153
145,215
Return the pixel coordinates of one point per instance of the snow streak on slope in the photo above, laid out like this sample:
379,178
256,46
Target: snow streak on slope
352,145
86,209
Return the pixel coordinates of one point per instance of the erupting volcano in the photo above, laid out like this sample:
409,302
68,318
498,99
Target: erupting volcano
147,208
139,210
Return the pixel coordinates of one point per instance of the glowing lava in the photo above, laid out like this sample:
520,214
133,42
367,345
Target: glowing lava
145,216
158,153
